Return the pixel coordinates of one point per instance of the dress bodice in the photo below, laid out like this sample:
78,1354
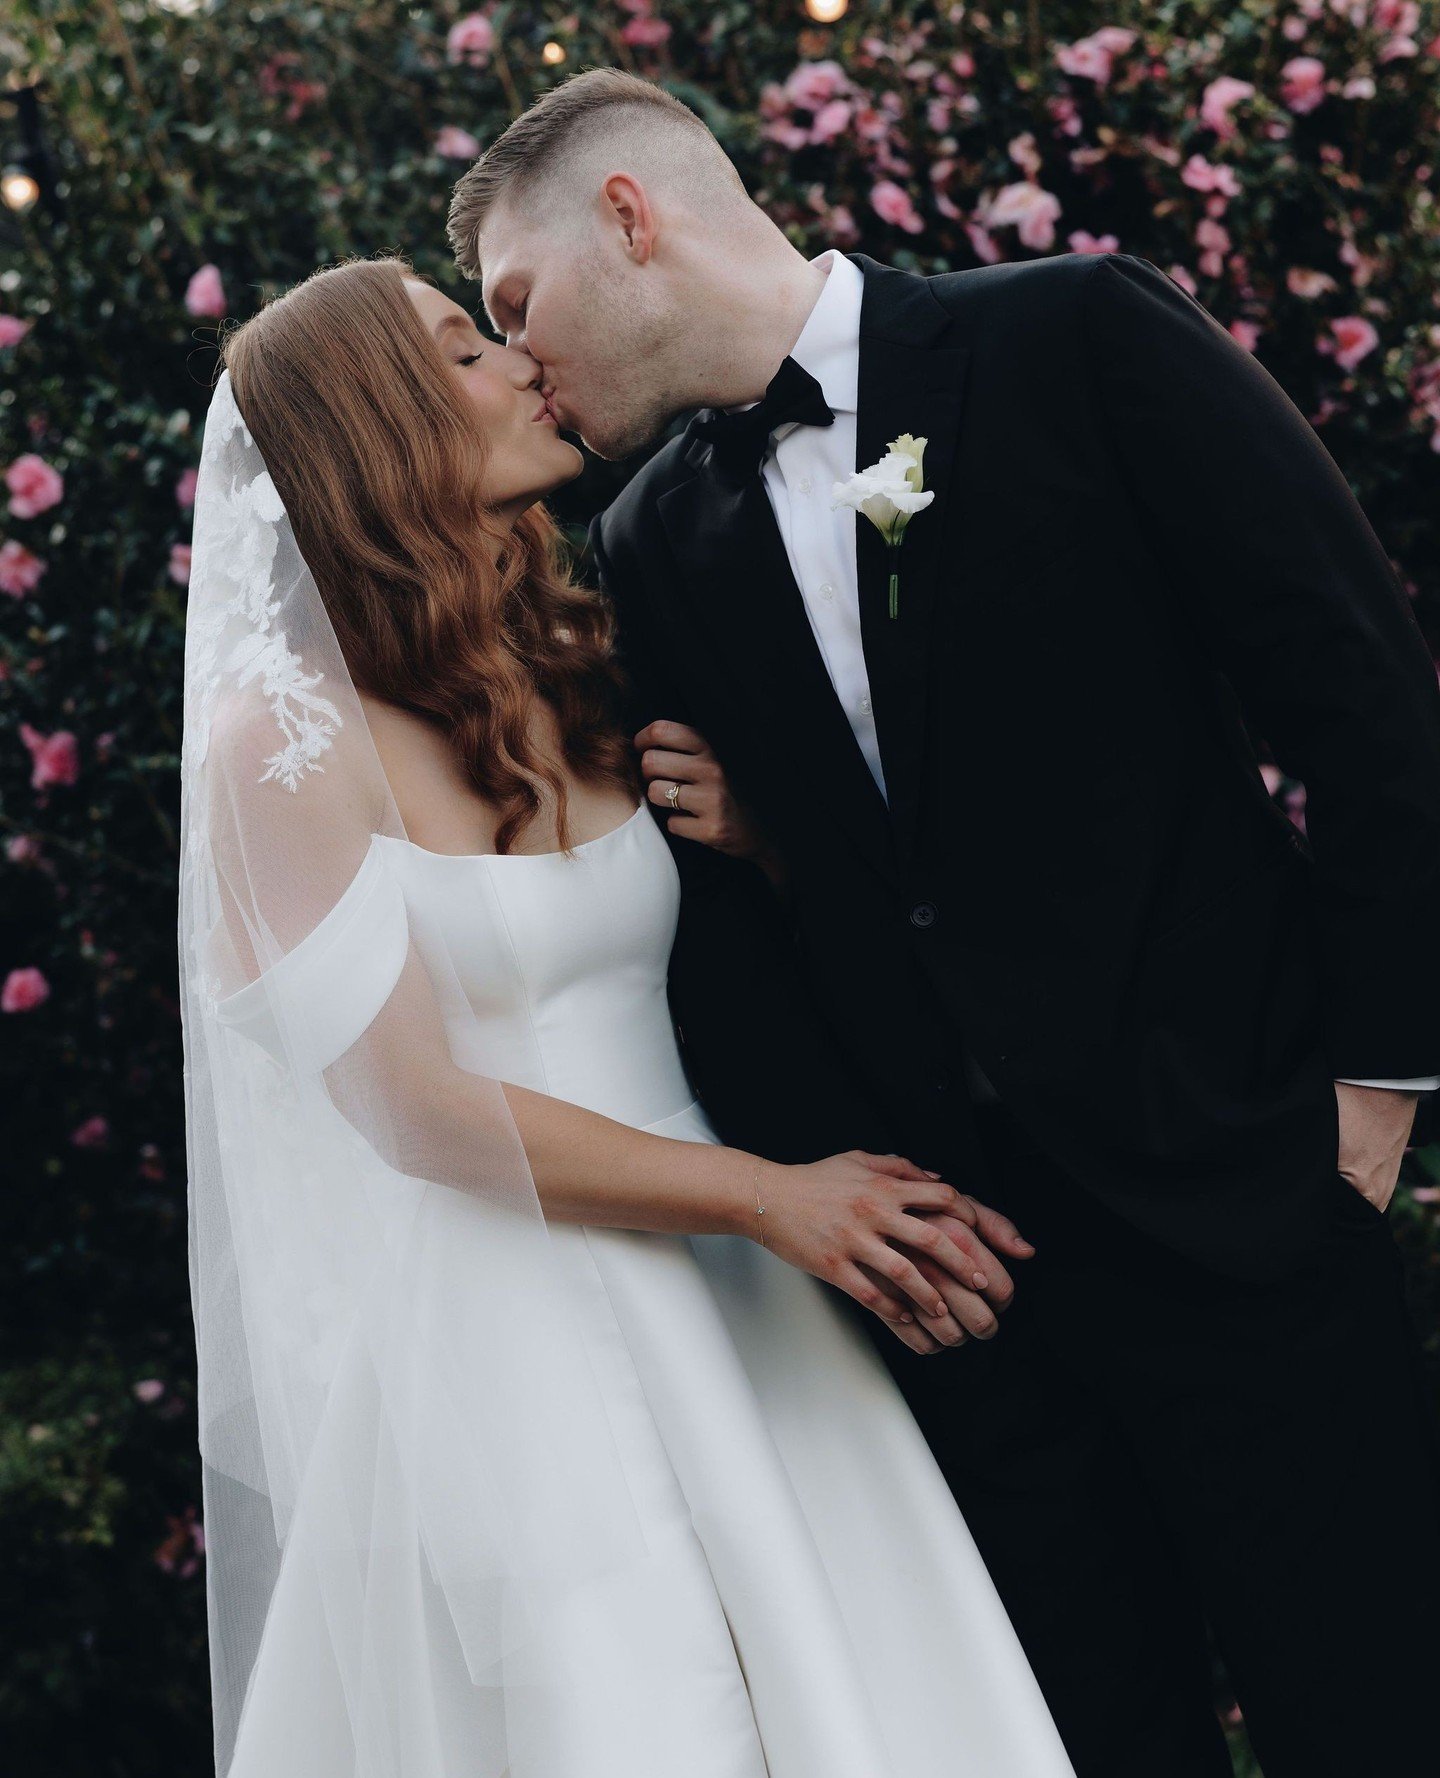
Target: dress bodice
563,961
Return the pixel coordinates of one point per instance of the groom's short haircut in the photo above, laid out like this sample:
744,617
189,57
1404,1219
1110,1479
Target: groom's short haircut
632,118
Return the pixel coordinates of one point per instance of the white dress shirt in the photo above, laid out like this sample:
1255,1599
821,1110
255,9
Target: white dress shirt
800,469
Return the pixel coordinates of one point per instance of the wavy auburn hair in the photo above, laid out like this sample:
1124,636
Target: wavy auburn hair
440,608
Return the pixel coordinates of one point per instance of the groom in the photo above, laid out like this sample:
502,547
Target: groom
1041,927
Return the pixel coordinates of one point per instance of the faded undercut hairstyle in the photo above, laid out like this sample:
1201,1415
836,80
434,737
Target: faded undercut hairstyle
601,107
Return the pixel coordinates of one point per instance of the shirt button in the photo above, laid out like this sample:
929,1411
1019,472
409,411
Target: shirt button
805,484
924,914
827,591
864,706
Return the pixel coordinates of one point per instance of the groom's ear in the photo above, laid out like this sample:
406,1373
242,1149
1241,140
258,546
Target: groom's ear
626,204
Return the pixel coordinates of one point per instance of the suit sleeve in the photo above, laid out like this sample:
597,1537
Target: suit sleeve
759,1055
1289,588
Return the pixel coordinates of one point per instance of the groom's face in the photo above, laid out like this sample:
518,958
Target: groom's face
577,307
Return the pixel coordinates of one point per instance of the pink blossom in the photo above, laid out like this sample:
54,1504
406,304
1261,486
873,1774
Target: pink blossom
34,486
24,990
1246,332
1395,15
93,1133
1302,83
148,1389
1359,86
179,569
937,115
1202,175
12,330
1033,211
982,243
1219,99
1213,239
1181,275
205,294
1396,47
1022,151
1065,115
648,32
185,488
1085,59
22,848
1114,39
814,84
454,144
1303,282
55,758
470,40
831,120
1354,337
1081,241
19,570
892,204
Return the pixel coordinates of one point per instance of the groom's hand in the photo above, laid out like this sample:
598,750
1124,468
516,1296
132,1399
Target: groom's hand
1375,1124
982,1235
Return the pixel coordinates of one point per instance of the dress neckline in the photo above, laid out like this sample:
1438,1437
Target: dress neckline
513,857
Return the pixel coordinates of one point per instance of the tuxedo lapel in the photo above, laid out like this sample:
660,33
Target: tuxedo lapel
911,380
737,582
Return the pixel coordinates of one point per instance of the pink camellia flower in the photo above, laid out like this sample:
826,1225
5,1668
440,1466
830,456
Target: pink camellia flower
1182,276
93,1133
22,848
892,204
24,990
1395,15
12,330
646,31
470,40
1031,209
34,486
205,294
1085,59
1213,240
179,569
831,120
55,759
20,571
1202,175
1219,99
1081,241
148,1389
813,85
1353,337
1303,282
185,488
1247,333
454,144
1302,83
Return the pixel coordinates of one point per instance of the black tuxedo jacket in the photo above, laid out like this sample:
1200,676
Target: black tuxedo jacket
1140,558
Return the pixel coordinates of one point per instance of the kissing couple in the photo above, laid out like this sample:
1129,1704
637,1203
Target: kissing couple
790,1159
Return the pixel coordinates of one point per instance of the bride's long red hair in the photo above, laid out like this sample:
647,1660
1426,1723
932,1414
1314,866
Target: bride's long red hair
440,608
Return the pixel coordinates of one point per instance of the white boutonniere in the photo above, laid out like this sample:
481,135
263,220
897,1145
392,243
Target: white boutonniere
889,493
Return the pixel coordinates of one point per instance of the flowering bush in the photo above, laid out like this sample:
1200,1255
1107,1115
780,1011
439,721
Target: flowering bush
1278,159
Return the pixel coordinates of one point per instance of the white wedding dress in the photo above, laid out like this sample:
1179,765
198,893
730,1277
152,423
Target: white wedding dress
811,1605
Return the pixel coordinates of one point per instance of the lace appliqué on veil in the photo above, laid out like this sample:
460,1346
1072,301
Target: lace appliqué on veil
234,638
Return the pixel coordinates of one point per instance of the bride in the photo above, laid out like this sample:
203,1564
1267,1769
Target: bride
532,1446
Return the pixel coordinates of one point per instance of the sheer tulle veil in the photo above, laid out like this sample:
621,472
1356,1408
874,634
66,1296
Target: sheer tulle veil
406,1459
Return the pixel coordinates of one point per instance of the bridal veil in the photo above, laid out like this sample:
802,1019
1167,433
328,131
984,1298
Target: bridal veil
406,1460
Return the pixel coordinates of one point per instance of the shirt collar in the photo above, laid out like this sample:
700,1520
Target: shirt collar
829,342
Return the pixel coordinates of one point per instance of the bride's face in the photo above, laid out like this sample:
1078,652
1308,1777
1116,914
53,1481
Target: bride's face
527,457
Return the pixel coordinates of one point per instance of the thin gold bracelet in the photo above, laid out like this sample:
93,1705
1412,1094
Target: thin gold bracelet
759,1207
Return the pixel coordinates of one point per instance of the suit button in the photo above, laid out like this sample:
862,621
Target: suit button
923,914
942,1085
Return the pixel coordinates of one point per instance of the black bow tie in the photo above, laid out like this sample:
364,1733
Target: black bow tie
739,440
